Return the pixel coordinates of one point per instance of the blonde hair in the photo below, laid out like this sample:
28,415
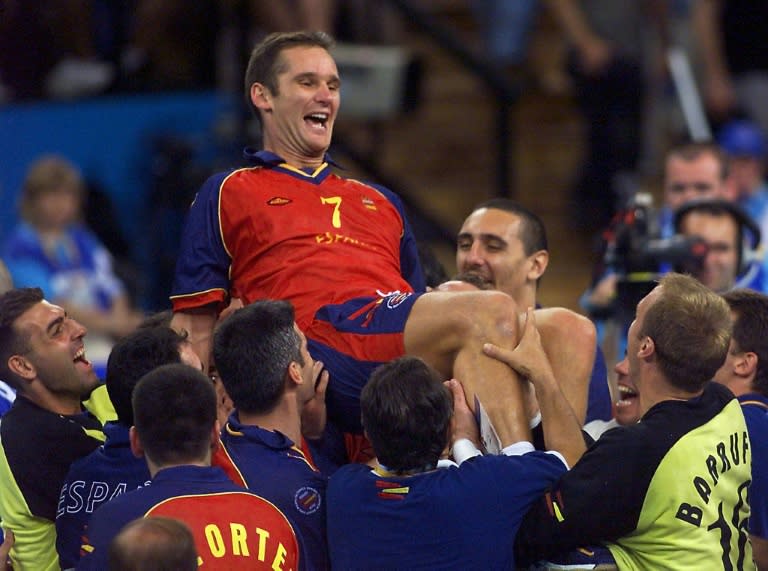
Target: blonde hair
50,173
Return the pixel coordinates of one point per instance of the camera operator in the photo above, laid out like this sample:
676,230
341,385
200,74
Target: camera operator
642,243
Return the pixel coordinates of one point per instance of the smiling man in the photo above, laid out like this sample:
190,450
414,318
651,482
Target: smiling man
43,357
341,251
505,245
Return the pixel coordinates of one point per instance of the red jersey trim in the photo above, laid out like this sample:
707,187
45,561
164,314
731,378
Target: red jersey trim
363,347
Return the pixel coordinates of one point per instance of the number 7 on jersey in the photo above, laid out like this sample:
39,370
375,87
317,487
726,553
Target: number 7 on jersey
336,201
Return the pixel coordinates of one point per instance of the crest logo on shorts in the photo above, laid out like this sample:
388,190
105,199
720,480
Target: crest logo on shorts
279,201
396,298
307,500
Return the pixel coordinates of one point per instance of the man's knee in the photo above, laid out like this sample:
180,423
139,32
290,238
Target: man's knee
490,315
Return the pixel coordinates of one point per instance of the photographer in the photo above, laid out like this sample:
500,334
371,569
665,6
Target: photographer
644,243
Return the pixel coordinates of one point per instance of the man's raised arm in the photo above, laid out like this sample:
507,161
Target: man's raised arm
198,324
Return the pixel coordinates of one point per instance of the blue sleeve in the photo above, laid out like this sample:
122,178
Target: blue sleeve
599,396
757,426
69,529
203,262
410,265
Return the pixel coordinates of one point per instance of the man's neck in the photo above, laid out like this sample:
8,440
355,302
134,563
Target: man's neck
155,468
656,390
284,418
294,159
66,405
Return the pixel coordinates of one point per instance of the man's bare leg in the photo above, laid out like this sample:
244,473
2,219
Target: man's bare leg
448,330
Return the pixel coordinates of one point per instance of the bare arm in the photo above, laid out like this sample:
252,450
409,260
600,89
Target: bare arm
562,431
706,27
594,52
198,323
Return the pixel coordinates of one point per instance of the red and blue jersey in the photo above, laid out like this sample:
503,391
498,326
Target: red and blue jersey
233,528
270,464
275,231
104,474
341,251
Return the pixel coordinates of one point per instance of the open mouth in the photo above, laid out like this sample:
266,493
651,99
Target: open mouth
80,357
627,395
317,120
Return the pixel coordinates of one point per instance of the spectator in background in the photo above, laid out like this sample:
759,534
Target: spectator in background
731,238
53,250
607,66
745,144
158,543
731,41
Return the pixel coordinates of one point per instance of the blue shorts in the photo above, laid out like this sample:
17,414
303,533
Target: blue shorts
352,339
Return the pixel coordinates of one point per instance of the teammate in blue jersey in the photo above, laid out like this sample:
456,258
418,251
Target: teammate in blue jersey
414,510
176,429
264,365
112,469
745,372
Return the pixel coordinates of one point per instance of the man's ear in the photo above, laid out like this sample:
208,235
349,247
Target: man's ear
22,367
294,373
647,348
136,447
746,364
261,97
539,262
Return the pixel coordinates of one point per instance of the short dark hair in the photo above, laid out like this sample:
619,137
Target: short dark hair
691,329
265,63
174,411
690,151
533,234
750,330
406,412
134,356
253,349
13,304
153,543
